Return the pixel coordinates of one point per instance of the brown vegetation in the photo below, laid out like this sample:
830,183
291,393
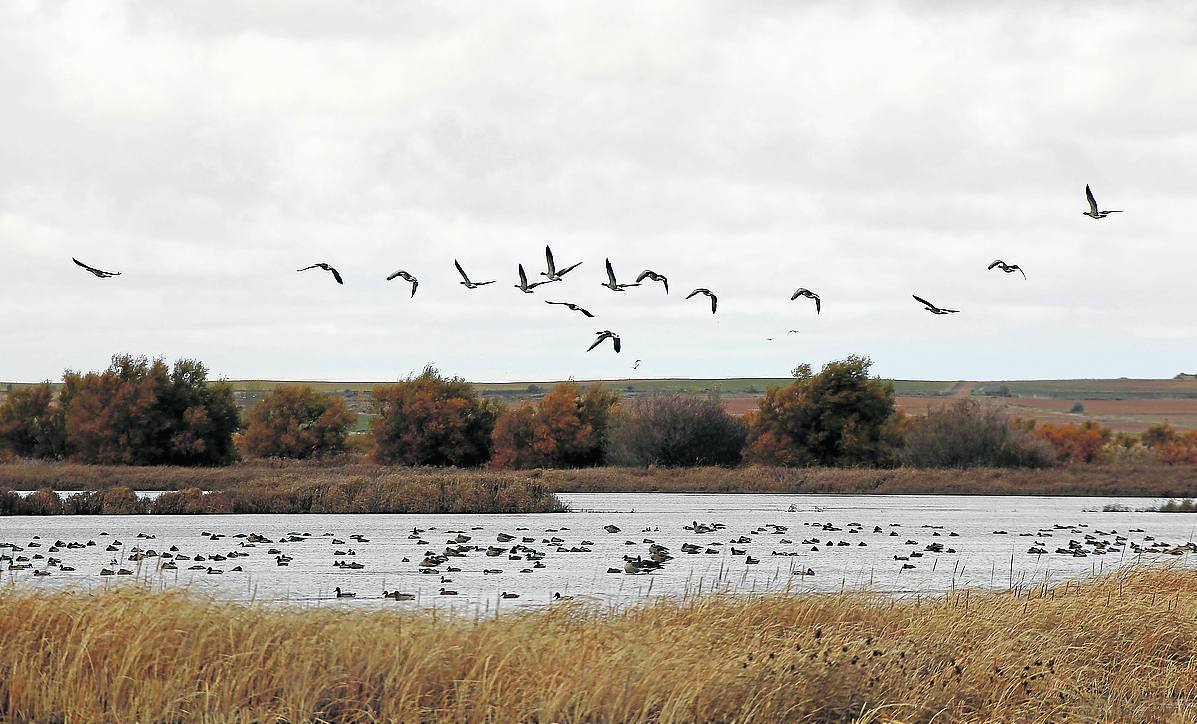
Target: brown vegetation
566,428
432,420
295,421
675,430
1111,649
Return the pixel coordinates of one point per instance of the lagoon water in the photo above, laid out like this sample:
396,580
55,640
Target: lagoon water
978,555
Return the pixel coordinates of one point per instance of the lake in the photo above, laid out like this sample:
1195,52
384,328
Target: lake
901,545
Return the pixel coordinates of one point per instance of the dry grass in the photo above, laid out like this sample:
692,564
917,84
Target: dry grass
1129,479
1113,649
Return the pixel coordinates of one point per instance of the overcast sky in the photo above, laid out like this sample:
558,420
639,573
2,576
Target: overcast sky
867,151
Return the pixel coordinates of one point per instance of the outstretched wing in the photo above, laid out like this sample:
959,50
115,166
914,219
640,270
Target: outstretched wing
714,302
818,305
645,275
610,273
696,291
922,301
996,262
568,269
596,342
461,271
314,266
583,311
414,284
336,275
548,258
98,272
1020,271
1089,197
615,340
523,277
397,274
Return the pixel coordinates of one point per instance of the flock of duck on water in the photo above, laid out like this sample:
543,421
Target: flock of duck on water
552,274
528,552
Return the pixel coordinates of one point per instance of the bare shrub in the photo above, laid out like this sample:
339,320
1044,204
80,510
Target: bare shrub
970,434
675,430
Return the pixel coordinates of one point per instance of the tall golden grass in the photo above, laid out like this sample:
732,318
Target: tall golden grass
1147,479
1112,649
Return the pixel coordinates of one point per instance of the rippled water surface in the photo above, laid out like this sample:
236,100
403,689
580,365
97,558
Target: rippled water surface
847,556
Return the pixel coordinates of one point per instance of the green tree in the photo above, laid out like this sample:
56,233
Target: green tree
432,420
839,416
295,421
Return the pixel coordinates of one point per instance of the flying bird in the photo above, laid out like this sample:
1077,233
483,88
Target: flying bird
572,306
605,334
524,286
637,365
792,331
465,282
932,308
804,292
407,277
1008,268
554,274
703,290
614,285
650,274
98,272
326,267
1094,212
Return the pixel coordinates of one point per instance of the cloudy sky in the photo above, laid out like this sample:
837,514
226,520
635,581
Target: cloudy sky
867,151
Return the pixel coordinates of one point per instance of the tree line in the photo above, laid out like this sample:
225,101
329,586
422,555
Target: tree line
144,412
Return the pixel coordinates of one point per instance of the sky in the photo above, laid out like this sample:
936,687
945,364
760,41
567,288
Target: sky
865,150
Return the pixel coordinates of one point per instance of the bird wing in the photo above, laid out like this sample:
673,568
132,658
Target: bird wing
461,271
548,258
696,291
714,302
615,340
645,275
523,277
1020,271
950,311
568,269
818,305
1092,201
920,300
610,272
303,269
482,284
565,304
596,343
996,262
397,274
666,282
414,284
583,311
336,275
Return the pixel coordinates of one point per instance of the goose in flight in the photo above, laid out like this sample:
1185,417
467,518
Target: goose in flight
554,274
932,308
614,285
572,306
1094,212
605,334
524,286
98,272
792,331
637,365
804,292
1008,268
326,267
406,277
650,274
704,290
465,280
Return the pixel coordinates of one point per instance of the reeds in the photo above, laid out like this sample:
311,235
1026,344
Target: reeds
1113,649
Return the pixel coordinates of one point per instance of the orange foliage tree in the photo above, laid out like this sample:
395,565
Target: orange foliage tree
1083,443
295,421
568,428
432,420
1179,448
839,416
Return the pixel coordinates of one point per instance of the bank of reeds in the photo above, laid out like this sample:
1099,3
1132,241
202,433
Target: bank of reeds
1112,649
1142,479
315,493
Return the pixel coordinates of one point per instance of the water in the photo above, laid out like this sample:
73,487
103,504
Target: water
981,557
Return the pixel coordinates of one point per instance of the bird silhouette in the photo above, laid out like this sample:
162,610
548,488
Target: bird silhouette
98,272
1008,268
1094,212
524,286
637,365
465,279
554,274
605,334
804,292
704,290
650,274
572,306
326,267
614,285
932,308
408,277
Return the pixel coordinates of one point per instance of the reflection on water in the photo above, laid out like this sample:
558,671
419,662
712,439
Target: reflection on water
895,544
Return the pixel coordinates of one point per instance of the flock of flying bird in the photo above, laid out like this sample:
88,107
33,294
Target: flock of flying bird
553,274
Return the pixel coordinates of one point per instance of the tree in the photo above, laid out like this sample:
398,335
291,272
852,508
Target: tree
295,421
970,434
1082,443
675,430
567,428
31,424
432,420
840,416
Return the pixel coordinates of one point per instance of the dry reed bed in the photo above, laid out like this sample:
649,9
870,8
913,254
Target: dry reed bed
1112,649
1131,479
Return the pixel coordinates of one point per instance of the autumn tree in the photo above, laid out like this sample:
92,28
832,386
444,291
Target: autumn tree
675,430
1083,443
295,421
839,416
31,423
432,420
566,428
